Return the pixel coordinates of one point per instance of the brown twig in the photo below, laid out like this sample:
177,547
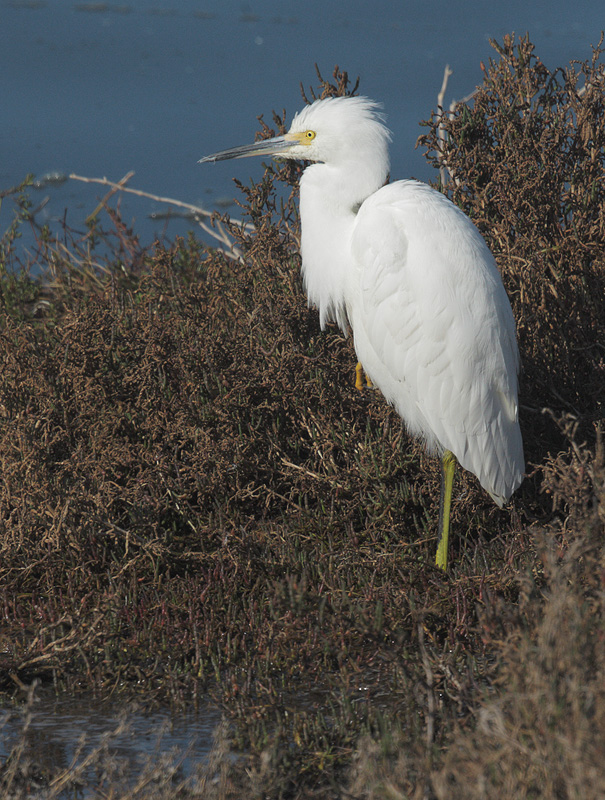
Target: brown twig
218,232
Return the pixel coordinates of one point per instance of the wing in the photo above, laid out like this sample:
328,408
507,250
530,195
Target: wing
434,329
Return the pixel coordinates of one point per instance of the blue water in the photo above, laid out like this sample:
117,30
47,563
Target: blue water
152,85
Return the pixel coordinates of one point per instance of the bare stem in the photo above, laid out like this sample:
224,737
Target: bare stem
200,215
441,134
447,73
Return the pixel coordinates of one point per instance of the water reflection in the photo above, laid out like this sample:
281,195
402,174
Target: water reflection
54,732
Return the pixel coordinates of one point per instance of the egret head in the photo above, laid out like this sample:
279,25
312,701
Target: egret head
336,130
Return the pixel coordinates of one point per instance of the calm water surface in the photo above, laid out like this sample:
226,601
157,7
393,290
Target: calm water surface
152,85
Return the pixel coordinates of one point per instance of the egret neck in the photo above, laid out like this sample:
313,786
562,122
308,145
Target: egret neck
330,197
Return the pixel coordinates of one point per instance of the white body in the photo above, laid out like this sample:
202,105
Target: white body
431,321
432,324
412,276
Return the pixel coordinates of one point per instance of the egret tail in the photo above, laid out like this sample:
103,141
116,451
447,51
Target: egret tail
448,467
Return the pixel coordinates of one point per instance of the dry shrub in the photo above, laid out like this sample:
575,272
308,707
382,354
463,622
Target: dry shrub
540,731
177,419
537,727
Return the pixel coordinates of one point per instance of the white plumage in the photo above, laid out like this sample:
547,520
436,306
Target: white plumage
434,330
413,278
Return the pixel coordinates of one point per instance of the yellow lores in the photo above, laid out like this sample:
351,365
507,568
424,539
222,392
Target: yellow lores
409,273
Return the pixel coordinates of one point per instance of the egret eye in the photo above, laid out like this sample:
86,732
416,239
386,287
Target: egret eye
309,136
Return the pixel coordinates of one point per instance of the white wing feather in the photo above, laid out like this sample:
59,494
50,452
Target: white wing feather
434,329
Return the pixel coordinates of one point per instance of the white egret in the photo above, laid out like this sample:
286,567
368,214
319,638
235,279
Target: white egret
413,278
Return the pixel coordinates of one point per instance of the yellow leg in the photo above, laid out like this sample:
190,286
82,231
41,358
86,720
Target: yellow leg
359,378
448,466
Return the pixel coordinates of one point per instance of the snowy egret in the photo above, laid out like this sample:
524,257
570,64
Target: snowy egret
411,275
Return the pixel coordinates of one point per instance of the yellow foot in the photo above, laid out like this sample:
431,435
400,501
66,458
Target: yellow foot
359,375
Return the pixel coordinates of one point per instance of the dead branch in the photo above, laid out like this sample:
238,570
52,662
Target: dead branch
216,229
441,134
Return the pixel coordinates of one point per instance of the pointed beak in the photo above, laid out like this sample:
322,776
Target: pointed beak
278,146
